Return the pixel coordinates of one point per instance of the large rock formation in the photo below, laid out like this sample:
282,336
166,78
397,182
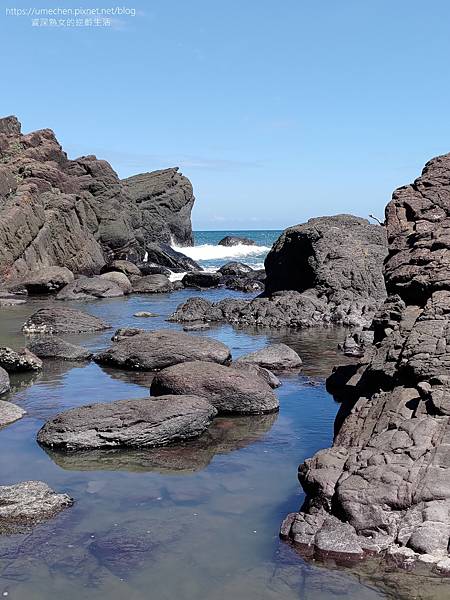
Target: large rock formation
384,486
77,213
326,271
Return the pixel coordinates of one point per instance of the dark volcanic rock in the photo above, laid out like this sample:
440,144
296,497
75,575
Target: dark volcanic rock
62,320
28,503
154,350
165,256
201,279
234,240
338,259
225,434
46,280
229,390
235,269
243,284
77,213
150,268
54,347
277,357
5,385
89,288
387,476
19,361
146,422
326,272
152,284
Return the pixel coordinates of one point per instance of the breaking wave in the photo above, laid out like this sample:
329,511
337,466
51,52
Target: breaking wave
211,252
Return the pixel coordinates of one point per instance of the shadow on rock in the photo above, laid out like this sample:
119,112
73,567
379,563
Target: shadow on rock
223,436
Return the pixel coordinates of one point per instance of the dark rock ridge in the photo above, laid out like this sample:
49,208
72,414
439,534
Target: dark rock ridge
146,422
384,485
77,213
28,503
165,256
326,271
229,390
154,350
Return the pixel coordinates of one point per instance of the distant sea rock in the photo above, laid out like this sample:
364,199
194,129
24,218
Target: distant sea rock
77,213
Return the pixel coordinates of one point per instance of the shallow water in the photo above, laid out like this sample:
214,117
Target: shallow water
194,522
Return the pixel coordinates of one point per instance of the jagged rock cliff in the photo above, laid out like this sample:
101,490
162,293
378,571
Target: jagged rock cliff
78,213
384,486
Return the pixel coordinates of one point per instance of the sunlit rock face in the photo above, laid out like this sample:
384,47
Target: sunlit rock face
384,486
78,213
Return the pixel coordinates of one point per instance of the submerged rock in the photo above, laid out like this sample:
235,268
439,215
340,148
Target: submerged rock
144,314
386,478
145,422
28,503
54,347
18,361
154,350
229,390
9,413
277,357
62,320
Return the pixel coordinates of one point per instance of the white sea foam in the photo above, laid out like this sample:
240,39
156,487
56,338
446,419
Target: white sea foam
211,252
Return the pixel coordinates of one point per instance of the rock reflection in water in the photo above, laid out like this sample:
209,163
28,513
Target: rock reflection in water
223,436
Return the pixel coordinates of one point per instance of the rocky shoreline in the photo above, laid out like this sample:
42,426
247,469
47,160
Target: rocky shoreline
71,230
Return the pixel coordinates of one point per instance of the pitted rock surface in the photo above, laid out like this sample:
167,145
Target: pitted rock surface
387,475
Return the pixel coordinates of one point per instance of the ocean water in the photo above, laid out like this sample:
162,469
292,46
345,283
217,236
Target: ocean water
210,256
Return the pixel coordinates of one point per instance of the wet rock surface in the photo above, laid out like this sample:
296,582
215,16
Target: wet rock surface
201,279
9,413
62,320
120,279
235,240
5,384
228,389
19,361
146,422
28,503
154,350
56,348
165,256
387,476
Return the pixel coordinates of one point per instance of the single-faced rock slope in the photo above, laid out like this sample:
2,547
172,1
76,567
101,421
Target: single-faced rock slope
384,485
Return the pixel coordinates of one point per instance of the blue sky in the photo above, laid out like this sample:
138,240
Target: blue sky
276,110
